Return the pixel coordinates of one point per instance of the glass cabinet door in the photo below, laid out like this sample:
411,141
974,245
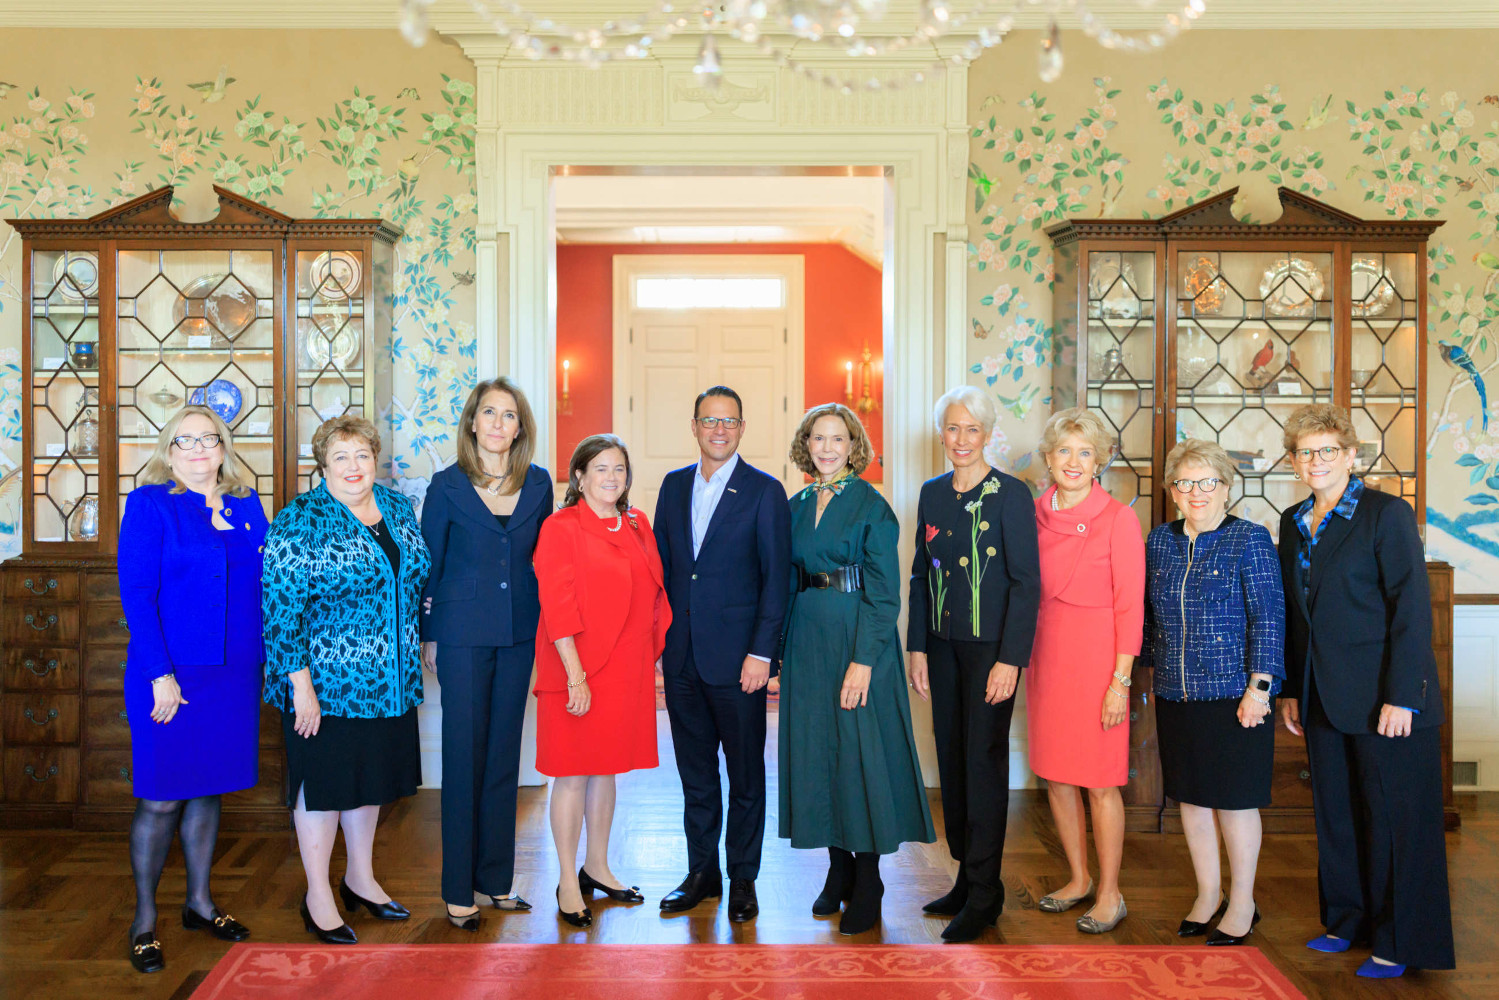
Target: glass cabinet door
65,405
1385,359
1119,359
330,378
1253,342
197,326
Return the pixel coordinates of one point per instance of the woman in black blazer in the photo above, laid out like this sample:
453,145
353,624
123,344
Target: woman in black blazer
1361,678
480,519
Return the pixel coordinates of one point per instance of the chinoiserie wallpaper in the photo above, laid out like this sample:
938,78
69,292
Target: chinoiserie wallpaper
352,124
1381,124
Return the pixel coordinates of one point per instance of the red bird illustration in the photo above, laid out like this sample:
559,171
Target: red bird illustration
1262,358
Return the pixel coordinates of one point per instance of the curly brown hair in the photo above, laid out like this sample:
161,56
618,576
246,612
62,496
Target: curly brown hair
587,450
859,455
345,428
1319,418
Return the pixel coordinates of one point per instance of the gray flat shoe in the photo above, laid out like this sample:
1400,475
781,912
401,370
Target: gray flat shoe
1057,904
1091,925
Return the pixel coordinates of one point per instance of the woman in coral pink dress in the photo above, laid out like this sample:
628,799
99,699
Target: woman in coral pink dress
1088,634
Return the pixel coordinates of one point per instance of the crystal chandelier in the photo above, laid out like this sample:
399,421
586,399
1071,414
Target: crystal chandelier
847,30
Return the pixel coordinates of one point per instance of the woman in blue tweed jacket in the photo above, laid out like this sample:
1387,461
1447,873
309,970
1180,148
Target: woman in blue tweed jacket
1215,634
344,569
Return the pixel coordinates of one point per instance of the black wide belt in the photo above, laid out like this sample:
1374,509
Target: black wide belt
845,578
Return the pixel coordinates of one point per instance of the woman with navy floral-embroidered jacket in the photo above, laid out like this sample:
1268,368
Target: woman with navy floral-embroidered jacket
345,564
1215,634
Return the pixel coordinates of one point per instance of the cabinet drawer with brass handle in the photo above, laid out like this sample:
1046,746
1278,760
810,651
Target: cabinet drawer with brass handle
39,584
105,622
41,774
103,668
105,723
33,623
40,717
40,669
107,778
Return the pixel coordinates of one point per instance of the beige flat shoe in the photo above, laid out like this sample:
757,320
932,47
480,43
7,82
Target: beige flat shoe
1058,904
1091,925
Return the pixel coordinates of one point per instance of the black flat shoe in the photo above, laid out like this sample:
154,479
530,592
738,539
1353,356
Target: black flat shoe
588,883
221,925
380,911
1193,928
342,934
583,918
695,888
743,903
1218,938
145,953
510,904
464,921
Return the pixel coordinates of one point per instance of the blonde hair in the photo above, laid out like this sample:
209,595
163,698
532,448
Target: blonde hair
1081,421
860,452
587,450
521,449
1196,451
343,428
1319,418
978,403
234,478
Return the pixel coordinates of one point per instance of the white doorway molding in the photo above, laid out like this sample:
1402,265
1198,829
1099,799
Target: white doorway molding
536,120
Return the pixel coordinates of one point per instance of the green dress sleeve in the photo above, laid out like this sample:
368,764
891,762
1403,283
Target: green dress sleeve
879,607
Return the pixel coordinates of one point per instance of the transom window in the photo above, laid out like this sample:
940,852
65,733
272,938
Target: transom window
709,293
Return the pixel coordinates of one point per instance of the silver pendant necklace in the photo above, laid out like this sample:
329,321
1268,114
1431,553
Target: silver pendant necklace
495,483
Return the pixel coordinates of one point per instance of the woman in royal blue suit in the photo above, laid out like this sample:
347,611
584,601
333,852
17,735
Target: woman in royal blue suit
480,520
189,565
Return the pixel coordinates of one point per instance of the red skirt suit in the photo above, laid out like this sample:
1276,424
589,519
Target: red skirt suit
604,589
1092,609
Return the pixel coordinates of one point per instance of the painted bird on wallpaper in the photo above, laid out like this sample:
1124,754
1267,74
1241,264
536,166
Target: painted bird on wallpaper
1458,358
213,90
5,89
1317,116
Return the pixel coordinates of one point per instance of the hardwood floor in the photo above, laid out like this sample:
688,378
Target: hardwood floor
66,898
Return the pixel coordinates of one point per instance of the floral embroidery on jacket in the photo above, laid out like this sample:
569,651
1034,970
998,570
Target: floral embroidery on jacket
936,587
974,563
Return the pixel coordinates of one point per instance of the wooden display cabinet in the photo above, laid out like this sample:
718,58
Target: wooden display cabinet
1200,325
277,324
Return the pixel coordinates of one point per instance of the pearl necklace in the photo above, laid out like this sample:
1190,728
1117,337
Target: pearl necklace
619,522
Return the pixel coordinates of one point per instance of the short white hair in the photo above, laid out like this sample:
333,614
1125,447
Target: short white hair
978,403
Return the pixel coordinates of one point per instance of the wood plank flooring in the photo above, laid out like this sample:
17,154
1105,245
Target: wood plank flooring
66,898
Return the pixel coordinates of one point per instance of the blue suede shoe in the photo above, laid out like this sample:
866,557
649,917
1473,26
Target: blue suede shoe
1373,970
1329,944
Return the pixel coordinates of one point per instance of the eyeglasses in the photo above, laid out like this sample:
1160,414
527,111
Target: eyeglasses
1203,485
728,423
185,442
1328,452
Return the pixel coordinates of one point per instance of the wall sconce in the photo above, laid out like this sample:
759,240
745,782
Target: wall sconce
564,401
865,403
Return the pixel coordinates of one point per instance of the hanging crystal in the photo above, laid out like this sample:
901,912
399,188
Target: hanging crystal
414,21
1050,62
708,67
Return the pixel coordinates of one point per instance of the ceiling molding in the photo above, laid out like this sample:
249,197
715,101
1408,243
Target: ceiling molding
456,17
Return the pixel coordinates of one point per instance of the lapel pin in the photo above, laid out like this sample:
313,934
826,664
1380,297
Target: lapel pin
731,489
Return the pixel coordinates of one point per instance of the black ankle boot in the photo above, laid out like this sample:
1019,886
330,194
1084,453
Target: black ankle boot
980,912
839,886
863,910
950,904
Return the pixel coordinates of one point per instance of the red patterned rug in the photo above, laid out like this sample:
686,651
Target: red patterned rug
741,972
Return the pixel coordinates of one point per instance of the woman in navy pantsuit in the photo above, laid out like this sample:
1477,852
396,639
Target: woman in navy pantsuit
189,565
480,519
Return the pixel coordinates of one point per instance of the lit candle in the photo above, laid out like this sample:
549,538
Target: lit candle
566,366
848,379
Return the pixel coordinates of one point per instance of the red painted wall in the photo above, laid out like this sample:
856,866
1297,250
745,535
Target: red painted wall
842,312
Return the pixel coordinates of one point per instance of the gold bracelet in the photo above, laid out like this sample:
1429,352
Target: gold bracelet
580,680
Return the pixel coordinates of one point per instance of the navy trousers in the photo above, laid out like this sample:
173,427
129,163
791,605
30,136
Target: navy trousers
483,709
705,717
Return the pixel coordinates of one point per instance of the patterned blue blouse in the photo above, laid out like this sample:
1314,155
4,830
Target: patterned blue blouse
1214,610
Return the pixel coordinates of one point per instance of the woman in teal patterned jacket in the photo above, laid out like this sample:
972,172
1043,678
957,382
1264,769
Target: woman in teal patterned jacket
344,569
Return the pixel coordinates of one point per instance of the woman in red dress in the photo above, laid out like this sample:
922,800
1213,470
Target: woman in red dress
603,624
1088,634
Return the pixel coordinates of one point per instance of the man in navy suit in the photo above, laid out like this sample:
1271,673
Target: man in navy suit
724,530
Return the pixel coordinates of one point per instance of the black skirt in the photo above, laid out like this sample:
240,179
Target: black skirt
352,762
1208,759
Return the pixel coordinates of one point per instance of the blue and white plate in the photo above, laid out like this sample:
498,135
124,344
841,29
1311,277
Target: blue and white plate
221,396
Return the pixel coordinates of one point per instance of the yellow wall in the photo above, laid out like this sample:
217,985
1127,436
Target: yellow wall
1438,86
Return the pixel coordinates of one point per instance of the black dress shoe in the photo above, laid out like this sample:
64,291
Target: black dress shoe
464,921
511,904
380,911
583,918
863,910
145,953
1218,938
839,885
743,904
951,904
221,925
1193,928
695,888
587,883
972,920
342,934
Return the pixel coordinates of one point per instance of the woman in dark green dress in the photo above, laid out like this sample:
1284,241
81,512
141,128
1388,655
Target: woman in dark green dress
849,776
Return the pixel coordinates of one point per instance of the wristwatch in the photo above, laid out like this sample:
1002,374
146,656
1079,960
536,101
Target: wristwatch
1262,684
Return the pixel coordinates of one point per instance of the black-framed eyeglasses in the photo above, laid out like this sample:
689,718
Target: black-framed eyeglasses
1328,452
185,442
729,423
1184,486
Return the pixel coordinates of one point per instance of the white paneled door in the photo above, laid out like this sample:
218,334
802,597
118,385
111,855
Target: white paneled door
675,337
